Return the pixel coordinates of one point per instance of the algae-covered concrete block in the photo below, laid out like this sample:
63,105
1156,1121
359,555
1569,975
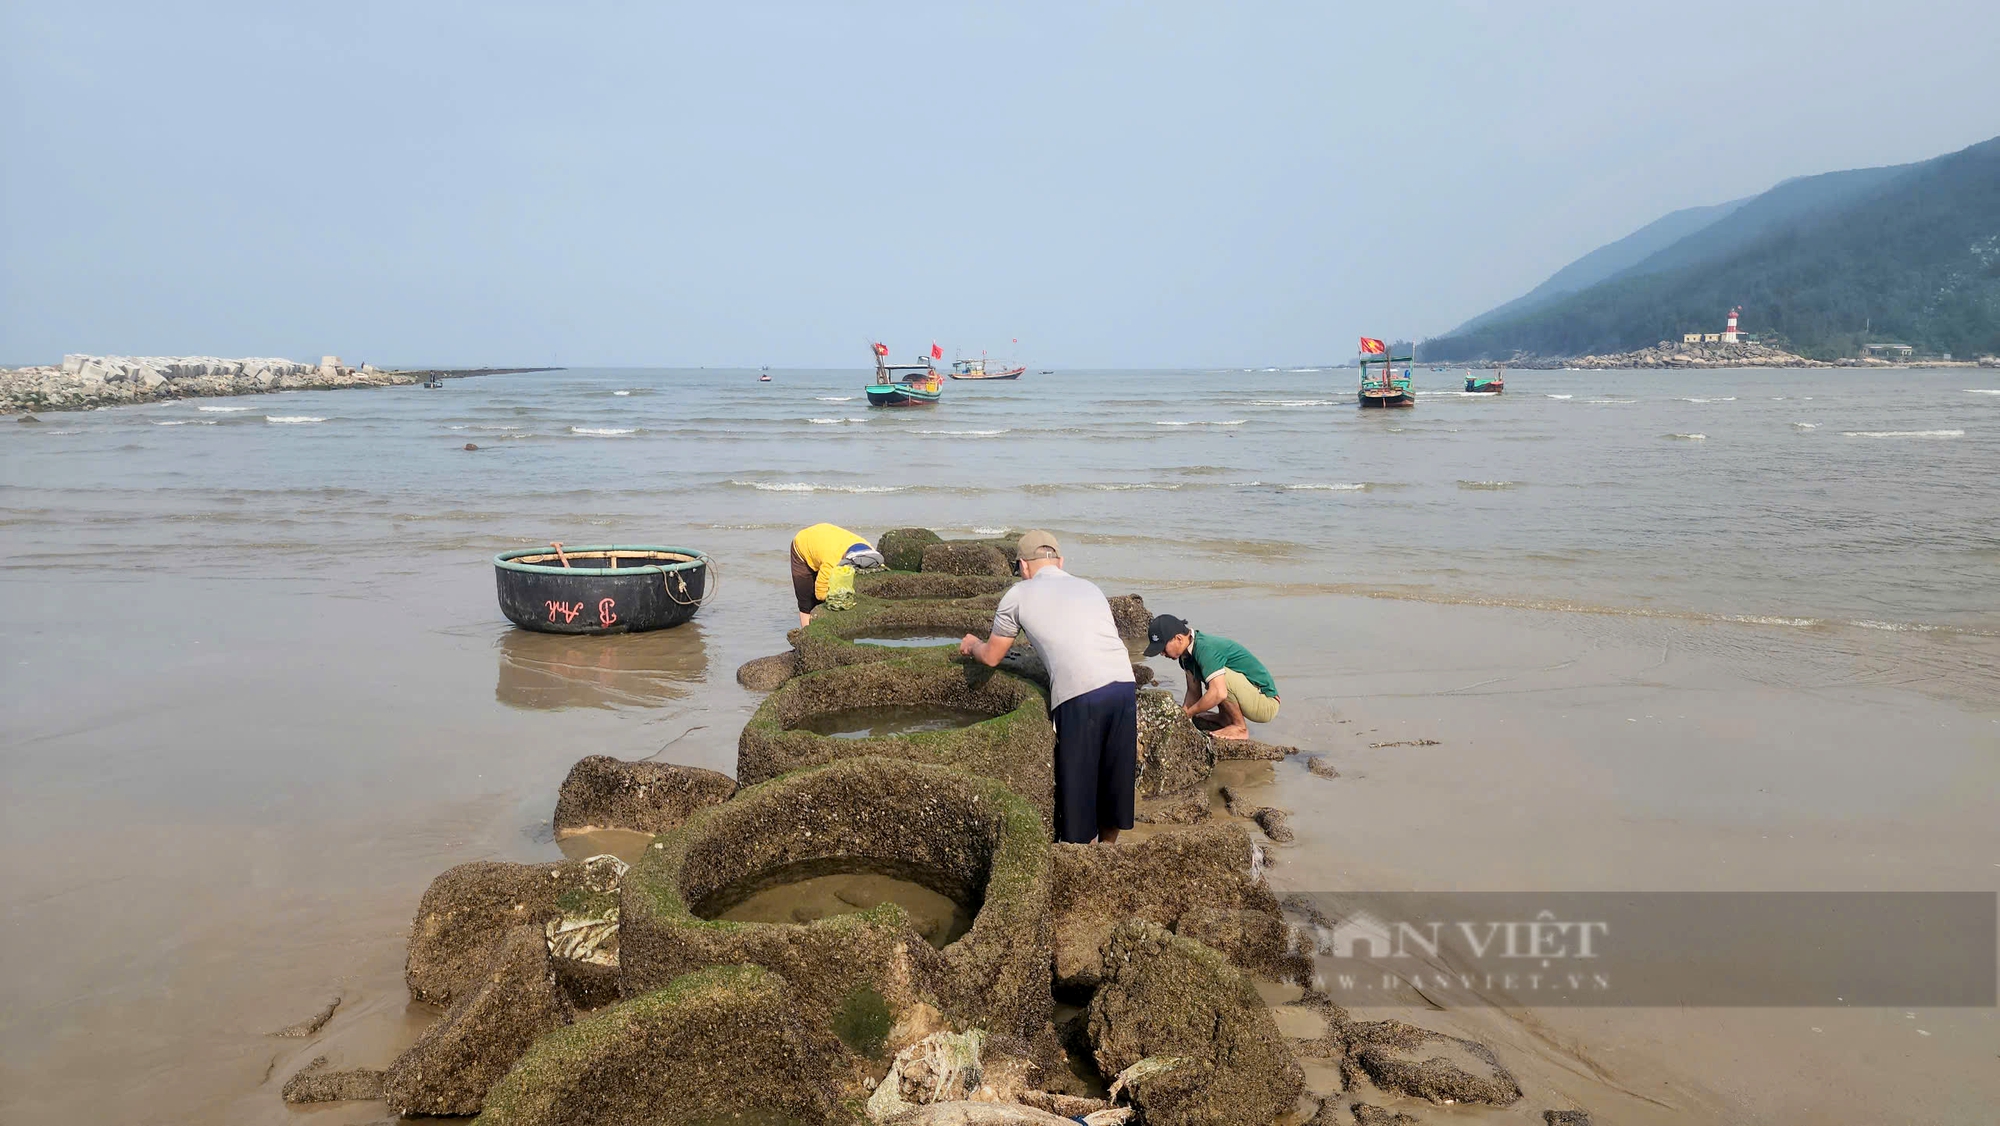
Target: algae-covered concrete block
966,559
721,1045
451,1066
1168,998
903,548
854,976
602,792
466,910
1016,747
1174,757
1129,614
1176,879
767,673
831,640
1430,1065
315,1083
896,586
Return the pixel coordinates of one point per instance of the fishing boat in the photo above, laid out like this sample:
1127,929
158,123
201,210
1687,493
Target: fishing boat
982,368
601,589
1384,388
903,385
764,376
1487,385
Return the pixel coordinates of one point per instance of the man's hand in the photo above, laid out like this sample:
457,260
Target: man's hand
987,652
967,644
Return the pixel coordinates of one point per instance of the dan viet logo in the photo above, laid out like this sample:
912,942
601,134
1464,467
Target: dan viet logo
1509,955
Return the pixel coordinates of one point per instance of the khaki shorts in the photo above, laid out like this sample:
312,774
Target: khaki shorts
1256,707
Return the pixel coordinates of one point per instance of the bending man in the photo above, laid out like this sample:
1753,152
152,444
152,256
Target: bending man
1093,698
1221,676
816,553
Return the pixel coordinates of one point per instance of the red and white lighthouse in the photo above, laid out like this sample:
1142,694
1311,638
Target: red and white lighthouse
1729,330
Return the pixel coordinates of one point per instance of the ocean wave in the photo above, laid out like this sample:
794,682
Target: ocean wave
621,392
1609,402
835,398
1982,390
293,418
988,531
830,421
1489,484
1687,437
222,410
1806,425
1559,396
184,422
1902,433
1290,403
602,431
965,433
815,487
1297,370
1342,487
1202,422
1721,399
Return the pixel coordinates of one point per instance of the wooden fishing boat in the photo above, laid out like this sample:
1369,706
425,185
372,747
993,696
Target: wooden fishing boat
1383,388
903,385
599,590
981,368
1487,385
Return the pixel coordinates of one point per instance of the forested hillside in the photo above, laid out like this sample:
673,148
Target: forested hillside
1909,253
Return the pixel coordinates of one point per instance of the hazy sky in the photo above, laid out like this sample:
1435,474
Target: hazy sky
1115,184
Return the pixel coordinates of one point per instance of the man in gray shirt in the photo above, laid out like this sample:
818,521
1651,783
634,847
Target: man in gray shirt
1093,699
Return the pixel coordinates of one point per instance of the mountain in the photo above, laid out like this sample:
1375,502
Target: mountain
1609,260
1910,252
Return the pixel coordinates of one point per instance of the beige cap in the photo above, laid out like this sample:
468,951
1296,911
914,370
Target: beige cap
1038,545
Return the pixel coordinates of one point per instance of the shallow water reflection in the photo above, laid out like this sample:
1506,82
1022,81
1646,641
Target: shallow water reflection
549,670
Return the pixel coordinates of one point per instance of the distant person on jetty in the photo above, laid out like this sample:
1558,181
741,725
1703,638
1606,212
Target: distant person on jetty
1222,676
1093,697
818,553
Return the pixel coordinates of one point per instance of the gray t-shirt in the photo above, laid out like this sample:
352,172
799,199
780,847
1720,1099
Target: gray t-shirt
1069,622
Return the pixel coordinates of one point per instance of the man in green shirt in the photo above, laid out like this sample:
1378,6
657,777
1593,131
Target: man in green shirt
1221,675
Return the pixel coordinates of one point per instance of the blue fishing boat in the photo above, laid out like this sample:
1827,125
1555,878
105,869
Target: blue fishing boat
1384,388
1487,385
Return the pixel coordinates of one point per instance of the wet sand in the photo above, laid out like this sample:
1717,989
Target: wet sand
226,792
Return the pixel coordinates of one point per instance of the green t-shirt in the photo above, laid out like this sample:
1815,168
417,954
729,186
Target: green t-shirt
1211,654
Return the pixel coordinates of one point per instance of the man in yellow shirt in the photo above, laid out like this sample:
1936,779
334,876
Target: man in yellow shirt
816,553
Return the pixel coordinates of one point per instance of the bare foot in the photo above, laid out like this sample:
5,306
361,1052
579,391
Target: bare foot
1237,732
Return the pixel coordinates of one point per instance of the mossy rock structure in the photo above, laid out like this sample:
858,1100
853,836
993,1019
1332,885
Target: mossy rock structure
853,976
451,1066
467,910
602,792
967,559
1218,1051
903,548
896,586
829,641
720,1045
1016,747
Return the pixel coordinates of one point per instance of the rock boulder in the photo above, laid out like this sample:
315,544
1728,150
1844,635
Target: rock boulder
602,792
514,1001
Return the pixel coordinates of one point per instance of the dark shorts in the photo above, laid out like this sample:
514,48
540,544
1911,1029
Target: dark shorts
805,583
1097,761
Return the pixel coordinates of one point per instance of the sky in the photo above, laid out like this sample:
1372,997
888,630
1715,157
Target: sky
1112,184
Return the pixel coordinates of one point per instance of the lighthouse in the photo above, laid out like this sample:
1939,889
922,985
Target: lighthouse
1729,330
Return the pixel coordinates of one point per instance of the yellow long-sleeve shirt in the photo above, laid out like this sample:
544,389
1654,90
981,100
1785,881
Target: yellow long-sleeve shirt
823,546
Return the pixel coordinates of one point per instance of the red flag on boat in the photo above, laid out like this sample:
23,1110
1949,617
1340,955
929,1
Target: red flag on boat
881,349
937,353
1372,347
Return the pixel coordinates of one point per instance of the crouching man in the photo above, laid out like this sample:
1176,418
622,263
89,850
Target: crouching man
1222,676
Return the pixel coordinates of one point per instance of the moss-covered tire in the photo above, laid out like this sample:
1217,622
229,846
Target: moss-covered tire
829,641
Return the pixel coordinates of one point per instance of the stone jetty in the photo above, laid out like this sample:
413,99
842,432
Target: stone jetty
1094,983
83,382
1667,354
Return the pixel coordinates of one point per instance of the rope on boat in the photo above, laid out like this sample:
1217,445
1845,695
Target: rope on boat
676,585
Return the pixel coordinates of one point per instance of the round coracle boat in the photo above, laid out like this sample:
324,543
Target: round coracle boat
595,590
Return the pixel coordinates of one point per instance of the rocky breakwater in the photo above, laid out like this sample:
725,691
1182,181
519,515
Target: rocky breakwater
87,382
1667,354
1095,983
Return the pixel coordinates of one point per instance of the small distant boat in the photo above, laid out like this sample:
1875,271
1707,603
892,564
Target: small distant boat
981,368
764,376
1384,388
1485,384
903,385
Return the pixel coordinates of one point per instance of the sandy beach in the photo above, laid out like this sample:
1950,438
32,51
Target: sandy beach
246,727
